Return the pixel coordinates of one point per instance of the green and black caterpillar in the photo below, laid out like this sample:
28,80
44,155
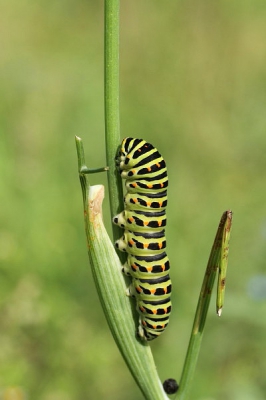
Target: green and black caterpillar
143,220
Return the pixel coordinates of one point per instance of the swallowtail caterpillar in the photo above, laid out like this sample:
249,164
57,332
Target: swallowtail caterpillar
144,221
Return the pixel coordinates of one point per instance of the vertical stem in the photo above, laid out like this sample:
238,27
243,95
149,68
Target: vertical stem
220,247
142,367
112,123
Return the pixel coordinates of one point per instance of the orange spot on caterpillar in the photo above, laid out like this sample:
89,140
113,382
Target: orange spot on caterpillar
162,184
131,219
154,311
145,245
152,291
165,310
138,289
148,203
134,184
134,267
149,169
131,242
165,290
163,267
145,223
159,223
149,269
142,309
149,185
160,245
158,165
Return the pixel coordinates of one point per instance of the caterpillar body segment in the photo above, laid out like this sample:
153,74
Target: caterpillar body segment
143,266
153,288
145,202
143,221
160,308
146,185
141,244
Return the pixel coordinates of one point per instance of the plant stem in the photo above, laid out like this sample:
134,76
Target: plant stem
218,256
137,355
112,122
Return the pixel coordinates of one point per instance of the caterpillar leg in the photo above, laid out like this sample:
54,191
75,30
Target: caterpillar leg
119,219
126,270
131,292
141,332
121,244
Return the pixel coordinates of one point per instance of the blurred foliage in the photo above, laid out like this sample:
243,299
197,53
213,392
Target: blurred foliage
193,82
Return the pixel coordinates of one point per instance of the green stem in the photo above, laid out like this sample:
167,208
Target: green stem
112,123
86,170
137,355
213,265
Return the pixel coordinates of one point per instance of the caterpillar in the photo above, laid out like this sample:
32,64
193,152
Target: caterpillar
143,221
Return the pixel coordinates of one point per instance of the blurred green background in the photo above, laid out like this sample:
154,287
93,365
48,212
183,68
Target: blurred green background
193,82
